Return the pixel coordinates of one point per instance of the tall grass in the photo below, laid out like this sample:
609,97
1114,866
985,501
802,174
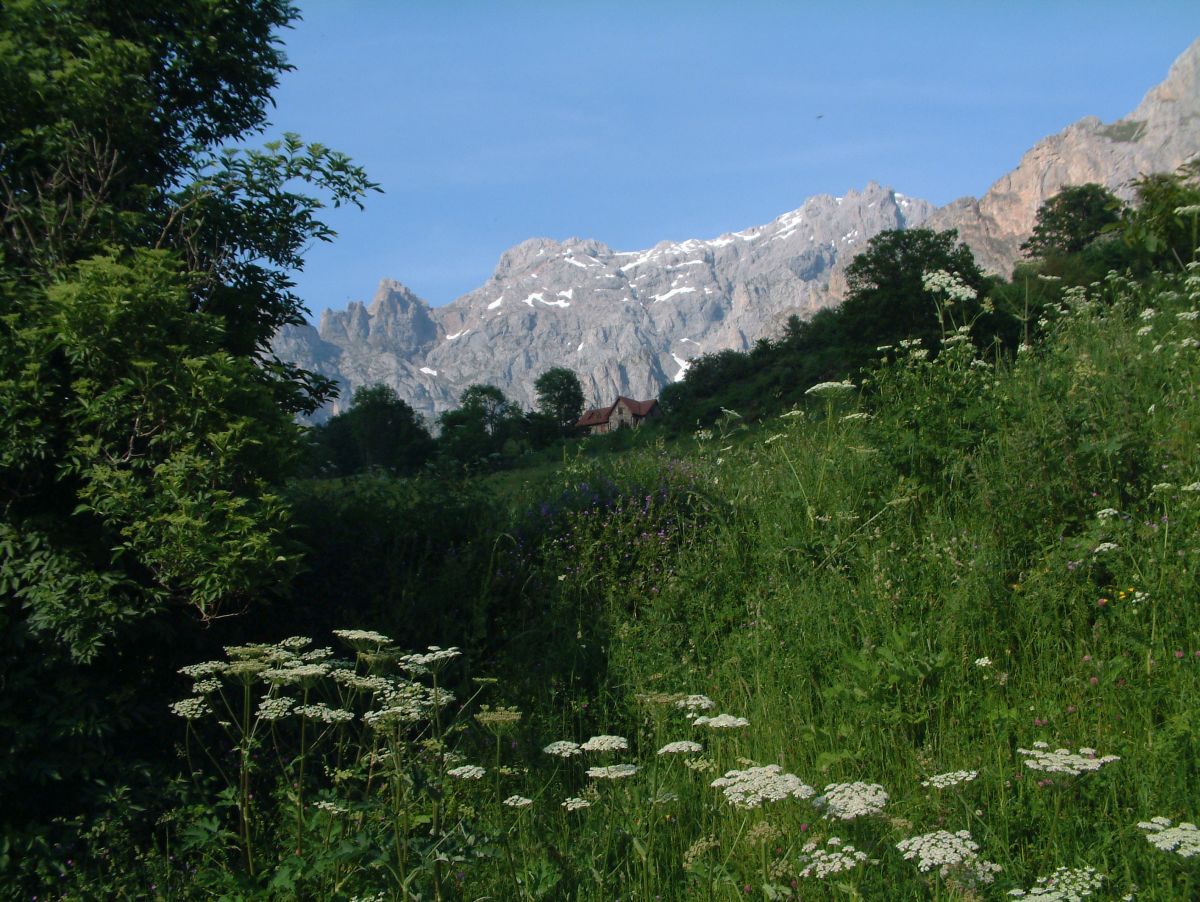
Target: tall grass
907,598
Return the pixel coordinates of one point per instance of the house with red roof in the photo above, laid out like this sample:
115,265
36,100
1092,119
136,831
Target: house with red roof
622,412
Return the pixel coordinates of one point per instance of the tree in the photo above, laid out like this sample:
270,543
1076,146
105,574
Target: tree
560,397
479,428
379,431
1163,228
147,427
1072,219
489,404
887,299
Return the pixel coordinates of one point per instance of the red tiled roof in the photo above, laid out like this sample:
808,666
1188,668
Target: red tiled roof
595,416
599,415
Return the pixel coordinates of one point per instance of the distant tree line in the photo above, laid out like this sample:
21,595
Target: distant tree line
381,432
1080,234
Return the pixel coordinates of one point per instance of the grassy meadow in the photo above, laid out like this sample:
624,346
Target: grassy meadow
930,636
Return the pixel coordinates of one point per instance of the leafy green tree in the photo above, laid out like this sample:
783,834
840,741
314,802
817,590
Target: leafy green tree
1072,219
887,299
379,431
1163,228
143,272
560,396
478,430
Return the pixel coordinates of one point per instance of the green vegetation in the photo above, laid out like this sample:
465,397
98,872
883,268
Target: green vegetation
919,623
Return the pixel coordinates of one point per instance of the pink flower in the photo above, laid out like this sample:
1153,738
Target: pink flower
1095,681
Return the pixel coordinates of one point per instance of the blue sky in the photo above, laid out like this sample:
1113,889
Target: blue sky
490,122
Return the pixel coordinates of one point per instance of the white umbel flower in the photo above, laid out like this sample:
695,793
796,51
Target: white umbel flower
682,747
518,802
822,863
563,748
694,703
612,772
575,803
1182,839
951,854
275,708
606,743
952,778
846,801
751,787
466,772
1064,761
721,722
831,388
362,637
191,708
1064,885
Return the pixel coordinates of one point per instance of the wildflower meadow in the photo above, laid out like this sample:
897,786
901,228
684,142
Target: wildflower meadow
931,634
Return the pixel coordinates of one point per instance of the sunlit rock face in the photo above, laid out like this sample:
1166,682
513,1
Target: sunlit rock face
628,322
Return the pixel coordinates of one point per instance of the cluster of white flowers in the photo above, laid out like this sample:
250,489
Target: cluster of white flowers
406,703
1144,331
322,712
575,803
518,802
682,747
822,863
1162,487
1108,513
191,708
204,687
362,637
1064,761
953,854
985,661
952,778
721,722
275,708
858,415
1104,547
294,672
694,703
941,282
1191,487
1064,885
1188,316
466,772
612,772
205,669
563,748
830,388
292,643
423,660
606,743
1183,839
1148,313
356,681
1189,342
751,787
846,801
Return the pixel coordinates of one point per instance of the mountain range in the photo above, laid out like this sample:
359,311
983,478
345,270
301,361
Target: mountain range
629,322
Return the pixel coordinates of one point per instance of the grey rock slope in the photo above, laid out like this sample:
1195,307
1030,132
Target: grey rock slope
1160,135
628,322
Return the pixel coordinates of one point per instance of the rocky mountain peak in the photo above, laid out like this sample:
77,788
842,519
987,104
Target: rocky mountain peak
628,322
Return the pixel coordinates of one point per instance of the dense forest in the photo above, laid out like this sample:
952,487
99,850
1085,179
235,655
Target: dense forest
899,604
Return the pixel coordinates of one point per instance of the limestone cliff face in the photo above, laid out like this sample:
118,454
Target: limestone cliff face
628,322
1159,136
